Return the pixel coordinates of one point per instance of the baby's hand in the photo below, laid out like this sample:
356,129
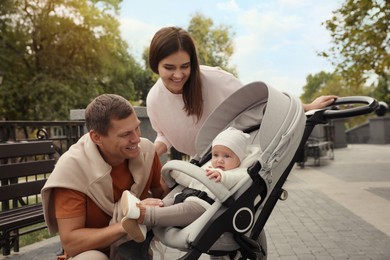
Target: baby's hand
213,174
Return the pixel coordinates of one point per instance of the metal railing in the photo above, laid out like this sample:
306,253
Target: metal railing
63,133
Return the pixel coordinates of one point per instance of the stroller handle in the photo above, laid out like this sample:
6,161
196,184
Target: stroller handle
371,105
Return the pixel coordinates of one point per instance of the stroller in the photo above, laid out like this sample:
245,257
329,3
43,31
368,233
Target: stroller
233,225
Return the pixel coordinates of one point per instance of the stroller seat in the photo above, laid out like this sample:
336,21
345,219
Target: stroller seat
182,173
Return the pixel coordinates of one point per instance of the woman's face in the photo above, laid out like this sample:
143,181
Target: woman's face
175,70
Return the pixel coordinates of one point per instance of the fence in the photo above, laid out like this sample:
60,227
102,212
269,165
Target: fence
63,133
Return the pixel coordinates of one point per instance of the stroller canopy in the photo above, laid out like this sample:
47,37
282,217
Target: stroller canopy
280,116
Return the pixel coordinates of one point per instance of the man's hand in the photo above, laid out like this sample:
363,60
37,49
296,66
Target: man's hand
152,202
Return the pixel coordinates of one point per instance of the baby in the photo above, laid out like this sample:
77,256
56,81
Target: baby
229,148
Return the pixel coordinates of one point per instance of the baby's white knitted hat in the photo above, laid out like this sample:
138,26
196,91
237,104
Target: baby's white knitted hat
235,140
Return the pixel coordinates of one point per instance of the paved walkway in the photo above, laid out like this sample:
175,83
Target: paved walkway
339,210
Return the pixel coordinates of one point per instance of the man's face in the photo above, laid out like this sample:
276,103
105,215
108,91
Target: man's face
121,141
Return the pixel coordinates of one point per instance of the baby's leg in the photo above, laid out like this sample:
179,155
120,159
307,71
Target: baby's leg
180,214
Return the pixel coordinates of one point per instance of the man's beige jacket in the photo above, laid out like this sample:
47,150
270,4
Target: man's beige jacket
83,169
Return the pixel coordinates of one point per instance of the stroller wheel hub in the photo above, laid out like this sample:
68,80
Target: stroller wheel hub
283,195
242,220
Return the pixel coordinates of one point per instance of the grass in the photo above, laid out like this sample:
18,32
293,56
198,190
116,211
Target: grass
33,237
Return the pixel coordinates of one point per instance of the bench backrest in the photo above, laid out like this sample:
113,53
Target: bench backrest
24,168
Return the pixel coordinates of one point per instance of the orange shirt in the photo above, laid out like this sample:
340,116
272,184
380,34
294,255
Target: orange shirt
70,203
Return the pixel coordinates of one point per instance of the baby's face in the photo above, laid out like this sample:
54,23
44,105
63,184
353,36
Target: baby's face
224,158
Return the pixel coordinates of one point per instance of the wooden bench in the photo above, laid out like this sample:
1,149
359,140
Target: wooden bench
24,168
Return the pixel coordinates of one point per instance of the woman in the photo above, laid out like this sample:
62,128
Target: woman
186,93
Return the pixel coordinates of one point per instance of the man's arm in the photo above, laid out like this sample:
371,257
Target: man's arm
160,192
75,238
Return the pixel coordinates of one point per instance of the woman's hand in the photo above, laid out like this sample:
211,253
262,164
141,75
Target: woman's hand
320,102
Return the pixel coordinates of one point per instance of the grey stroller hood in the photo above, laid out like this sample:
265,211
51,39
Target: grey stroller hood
276,122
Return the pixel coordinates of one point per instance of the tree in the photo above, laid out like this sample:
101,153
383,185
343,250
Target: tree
144,80
360,32
360,37
314,83
214,44
59,54
381,91
325,83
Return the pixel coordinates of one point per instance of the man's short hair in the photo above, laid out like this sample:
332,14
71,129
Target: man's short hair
103,108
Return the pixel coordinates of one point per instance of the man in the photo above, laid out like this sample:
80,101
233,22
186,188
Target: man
81,196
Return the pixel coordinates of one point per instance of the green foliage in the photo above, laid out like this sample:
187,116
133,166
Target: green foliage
324,83
57,55
214,44
360,32
33,237
314,83
382,91
360,50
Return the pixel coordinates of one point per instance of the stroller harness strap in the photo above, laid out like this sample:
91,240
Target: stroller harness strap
188,192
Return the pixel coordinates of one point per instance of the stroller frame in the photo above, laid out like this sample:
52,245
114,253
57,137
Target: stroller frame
238,208
249,248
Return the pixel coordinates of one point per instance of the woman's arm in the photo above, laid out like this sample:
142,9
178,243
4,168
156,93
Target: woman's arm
320,102
161,148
